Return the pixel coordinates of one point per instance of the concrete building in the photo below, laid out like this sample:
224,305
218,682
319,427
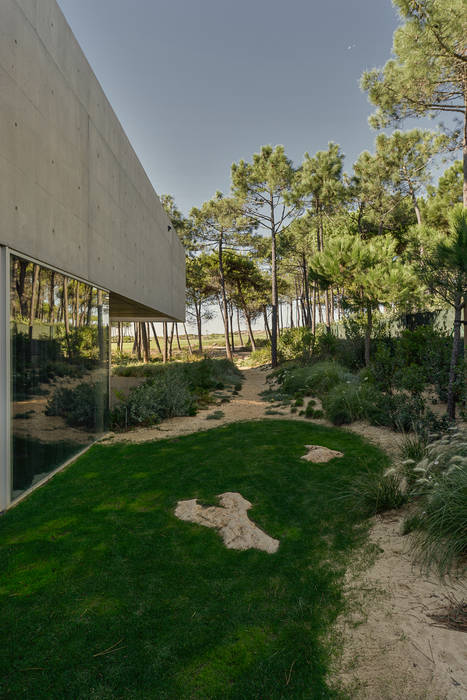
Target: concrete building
83,240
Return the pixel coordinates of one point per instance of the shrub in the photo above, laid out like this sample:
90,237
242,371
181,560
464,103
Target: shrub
405,412
316,379
147,404
203,374
216,415
348,402
261,356
79,406
296,344
311,412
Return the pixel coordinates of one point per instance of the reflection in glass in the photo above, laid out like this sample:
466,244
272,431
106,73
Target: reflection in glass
60,368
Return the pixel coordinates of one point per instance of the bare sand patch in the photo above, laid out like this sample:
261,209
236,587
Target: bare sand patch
231,520
393,649
319,454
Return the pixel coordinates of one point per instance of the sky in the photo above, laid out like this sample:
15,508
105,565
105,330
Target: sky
200,84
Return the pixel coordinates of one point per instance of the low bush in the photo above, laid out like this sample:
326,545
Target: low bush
316,379
147,404
296,344
203,374
216,415
351,401
81,407
311,412
261,356
173,389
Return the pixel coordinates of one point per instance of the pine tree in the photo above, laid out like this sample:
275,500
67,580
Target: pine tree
369,273
264,187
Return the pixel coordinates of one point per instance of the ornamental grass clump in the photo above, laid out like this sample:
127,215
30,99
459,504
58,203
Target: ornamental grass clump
369,494
439,540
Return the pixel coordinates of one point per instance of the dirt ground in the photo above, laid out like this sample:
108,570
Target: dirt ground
392,649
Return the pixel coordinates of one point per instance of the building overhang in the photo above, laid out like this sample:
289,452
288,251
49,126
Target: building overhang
124,309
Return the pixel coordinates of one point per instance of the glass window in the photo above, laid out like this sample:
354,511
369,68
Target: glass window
59,366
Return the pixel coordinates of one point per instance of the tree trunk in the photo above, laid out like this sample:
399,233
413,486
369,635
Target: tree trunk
32,308
415,206
145,342
165,344
20,283
274,292
228,350
232,329
156,338
451,407
313,311
66,318
239,330
198,326
291,313
100,326
250,331
171,340
89,314
188,340
39,293
328,310
177,336
266,324
464,146
369,327
119,334
306,291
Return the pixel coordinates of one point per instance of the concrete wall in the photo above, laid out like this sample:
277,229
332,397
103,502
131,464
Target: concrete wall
73,193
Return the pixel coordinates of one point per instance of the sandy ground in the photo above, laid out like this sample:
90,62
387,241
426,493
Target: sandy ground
392,649
247,405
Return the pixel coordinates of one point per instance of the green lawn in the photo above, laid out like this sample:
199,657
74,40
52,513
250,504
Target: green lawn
105,594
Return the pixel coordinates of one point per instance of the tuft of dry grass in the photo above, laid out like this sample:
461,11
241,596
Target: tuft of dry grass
453,615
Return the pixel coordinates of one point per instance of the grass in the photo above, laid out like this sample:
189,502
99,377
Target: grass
105,594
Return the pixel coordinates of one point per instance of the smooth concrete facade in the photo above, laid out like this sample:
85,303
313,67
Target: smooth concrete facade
74,194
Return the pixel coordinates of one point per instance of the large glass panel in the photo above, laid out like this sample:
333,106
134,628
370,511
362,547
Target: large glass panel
59,366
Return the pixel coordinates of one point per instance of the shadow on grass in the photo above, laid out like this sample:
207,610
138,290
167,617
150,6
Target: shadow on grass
105,594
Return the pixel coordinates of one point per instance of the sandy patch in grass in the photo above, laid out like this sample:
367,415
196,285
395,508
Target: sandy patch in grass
232,521
319,454
393,650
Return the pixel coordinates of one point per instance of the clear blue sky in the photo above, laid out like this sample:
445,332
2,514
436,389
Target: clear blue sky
198,84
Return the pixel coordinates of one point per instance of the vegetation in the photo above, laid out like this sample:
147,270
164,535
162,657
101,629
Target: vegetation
174,389
80,406
108,564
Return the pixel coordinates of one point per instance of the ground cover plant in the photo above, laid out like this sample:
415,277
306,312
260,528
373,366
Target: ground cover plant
105,594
